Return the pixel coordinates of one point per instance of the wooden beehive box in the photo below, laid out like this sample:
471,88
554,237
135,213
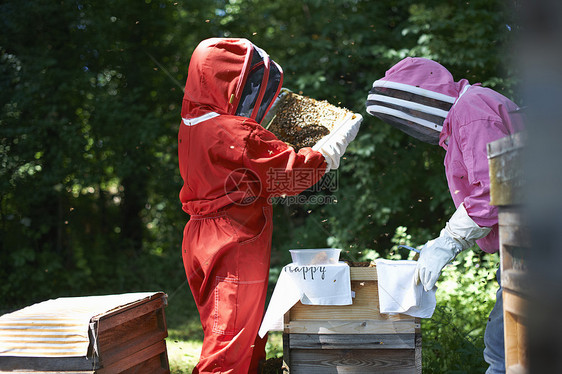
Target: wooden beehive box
351,339
127,339
506,192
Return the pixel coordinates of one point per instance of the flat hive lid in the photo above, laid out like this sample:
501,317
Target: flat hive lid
59,327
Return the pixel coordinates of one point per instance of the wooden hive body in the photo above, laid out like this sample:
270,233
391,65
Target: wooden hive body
351,339
128,339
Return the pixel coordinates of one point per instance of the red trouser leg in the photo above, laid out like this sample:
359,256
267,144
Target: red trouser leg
258,354
228,278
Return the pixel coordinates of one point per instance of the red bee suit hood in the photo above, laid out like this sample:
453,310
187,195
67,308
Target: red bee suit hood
231,76
225,156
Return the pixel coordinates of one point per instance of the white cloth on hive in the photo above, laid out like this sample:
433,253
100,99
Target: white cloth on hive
398,292
312,285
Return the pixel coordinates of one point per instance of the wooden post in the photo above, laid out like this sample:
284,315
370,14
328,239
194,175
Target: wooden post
506,192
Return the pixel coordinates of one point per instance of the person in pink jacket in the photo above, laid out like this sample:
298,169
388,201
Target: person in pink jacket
421,98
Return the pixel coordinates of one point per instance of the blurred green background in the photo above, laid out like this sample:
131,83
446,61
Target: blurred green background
90,97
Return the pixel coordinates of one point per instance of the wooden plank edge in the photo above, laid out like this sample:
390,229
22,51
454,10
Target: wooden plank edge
351,327
123,308
353,361
514,304
359,273
107,321
134,359
48,372
418,353
17,364
129,348
516,369
363,341
286,353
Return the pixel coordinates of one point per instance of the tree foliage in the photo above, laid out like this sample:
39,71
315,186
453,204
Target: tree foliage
90,93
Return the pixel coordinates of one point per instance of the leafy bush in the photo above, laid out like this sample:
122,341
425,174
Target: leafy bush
453,339
88,130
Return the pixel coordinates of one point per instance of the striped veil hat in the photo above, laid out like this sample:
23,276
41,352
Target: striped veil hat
416,111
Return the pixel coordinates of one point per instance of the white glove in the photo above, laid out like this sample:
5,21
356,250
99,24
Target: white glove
333,146
333,151
459,234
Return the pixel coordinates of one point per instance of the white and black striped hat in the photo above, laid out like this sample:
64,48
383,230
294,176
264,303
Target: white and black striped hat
416,111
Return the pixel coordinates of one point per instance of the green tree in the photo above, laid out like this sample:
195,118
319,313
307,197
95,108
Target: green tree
90,105
90,95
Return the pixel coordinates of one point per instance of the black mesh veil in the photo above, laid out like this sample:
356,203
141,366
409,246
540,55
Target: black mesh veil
262,86
418,115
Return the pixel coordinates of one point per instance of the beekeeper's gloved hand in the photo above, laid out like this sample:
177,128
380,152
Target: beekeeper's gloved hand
333,147
333,151
459,234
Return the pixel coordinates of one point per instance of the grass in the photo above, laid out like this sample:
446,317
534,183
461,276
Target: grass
185,335
183,355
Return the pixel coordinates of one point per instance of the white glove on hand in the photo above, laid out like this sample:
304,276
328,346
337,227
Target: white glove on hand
333,146
459,234
333,151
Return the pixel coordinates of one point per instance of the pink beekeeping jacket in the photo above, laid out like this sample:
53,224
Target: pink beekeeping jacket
477,117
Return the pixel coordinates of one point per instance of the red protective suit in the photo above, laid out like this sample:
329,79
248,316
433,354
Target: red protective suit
230,166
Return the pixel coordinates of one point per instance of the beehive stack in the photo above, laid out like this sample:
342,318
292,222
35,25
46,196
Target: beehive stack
302,121
352,339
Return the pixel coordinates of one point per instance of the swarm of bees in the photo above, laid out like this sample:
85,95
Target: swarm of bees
301,121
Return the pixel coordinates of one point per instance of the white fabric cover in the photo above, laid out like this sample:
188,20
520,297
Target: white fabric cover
398,292
312,285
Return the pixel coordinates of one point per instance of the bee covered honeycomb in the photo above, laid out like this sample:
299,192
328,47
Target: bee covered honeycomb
301,121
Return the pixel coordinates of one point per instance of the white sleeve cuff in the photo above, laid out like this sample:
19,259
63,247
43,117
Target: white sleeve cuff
463,229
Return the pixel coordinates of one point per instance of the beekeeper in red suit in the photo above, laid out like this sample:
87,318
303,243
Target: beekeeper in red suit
421,98
229,163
